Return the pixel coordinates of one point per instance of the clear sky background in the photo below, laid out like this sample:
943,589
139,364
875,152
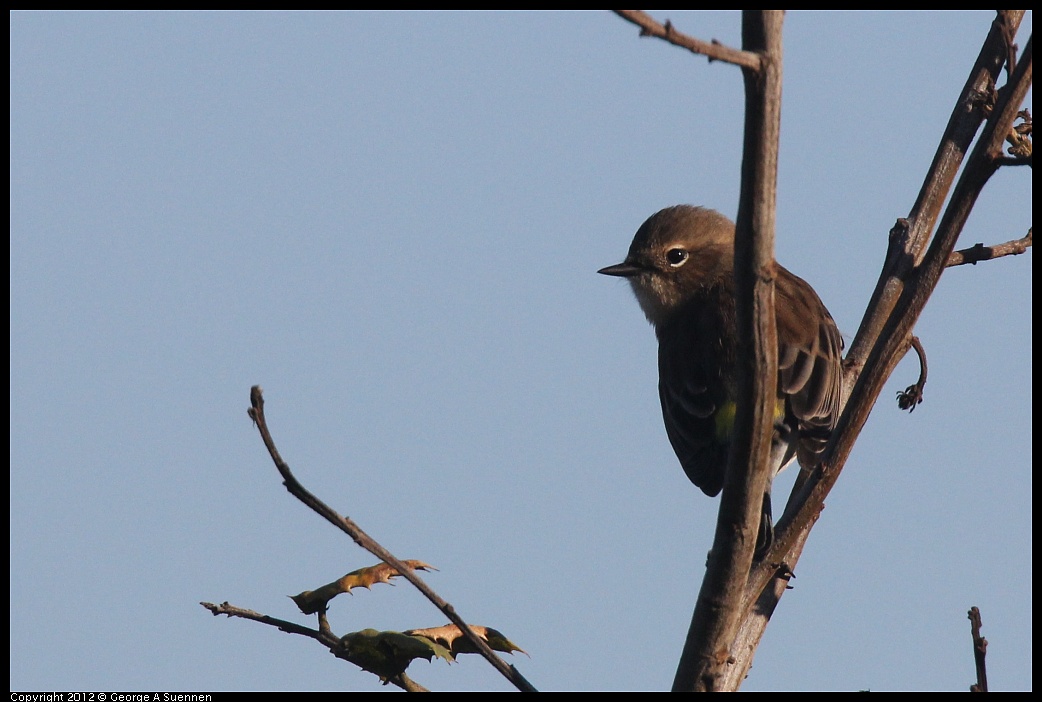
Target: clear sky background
392,222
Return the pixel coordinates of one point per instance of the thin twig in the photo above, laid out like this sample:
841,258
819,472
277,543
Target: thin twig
361,538
912,396
980,650
323,636
326,639
1009,30
1015,160
714,51
980,252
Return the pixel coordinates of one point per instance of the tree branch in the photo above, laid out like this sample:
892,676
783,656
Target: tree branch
980,252
913,285
912,396
908,278
323,636
719,650
361,538
715,51
980,651
708,651
909,242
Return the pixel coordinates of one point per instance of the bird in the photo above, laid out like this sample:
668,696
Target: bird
681,268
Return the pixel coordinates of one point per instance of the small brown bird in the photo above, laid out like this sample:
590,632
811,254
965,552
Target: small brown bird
681,267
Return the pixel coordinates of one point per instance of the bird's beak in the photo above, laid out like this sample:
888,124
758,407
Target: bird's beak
622,270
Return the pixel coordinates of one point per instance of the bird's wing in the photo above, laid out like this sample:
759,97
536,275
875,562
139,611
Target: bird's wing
810,370
693,394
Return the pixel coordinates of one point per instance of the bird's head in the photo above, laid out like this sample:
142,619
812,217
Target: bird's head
675,253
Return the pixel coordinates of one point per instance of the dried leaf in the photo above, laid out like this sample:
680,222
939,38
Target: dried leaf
453,639
311,601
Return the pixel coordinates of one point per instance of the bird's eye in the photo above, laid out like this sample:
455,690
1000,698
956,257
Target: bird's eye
676,257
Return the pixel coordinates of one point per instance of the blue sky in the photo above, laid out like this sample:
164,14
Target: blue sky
392,222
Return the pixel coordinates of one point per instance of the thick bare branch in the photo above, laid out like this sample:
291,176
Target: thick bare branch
916,284
907,247
708,650
910,275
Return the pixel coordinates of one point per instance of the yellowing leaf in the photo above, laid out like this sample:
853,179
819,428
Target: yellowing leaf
311,601
453,639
